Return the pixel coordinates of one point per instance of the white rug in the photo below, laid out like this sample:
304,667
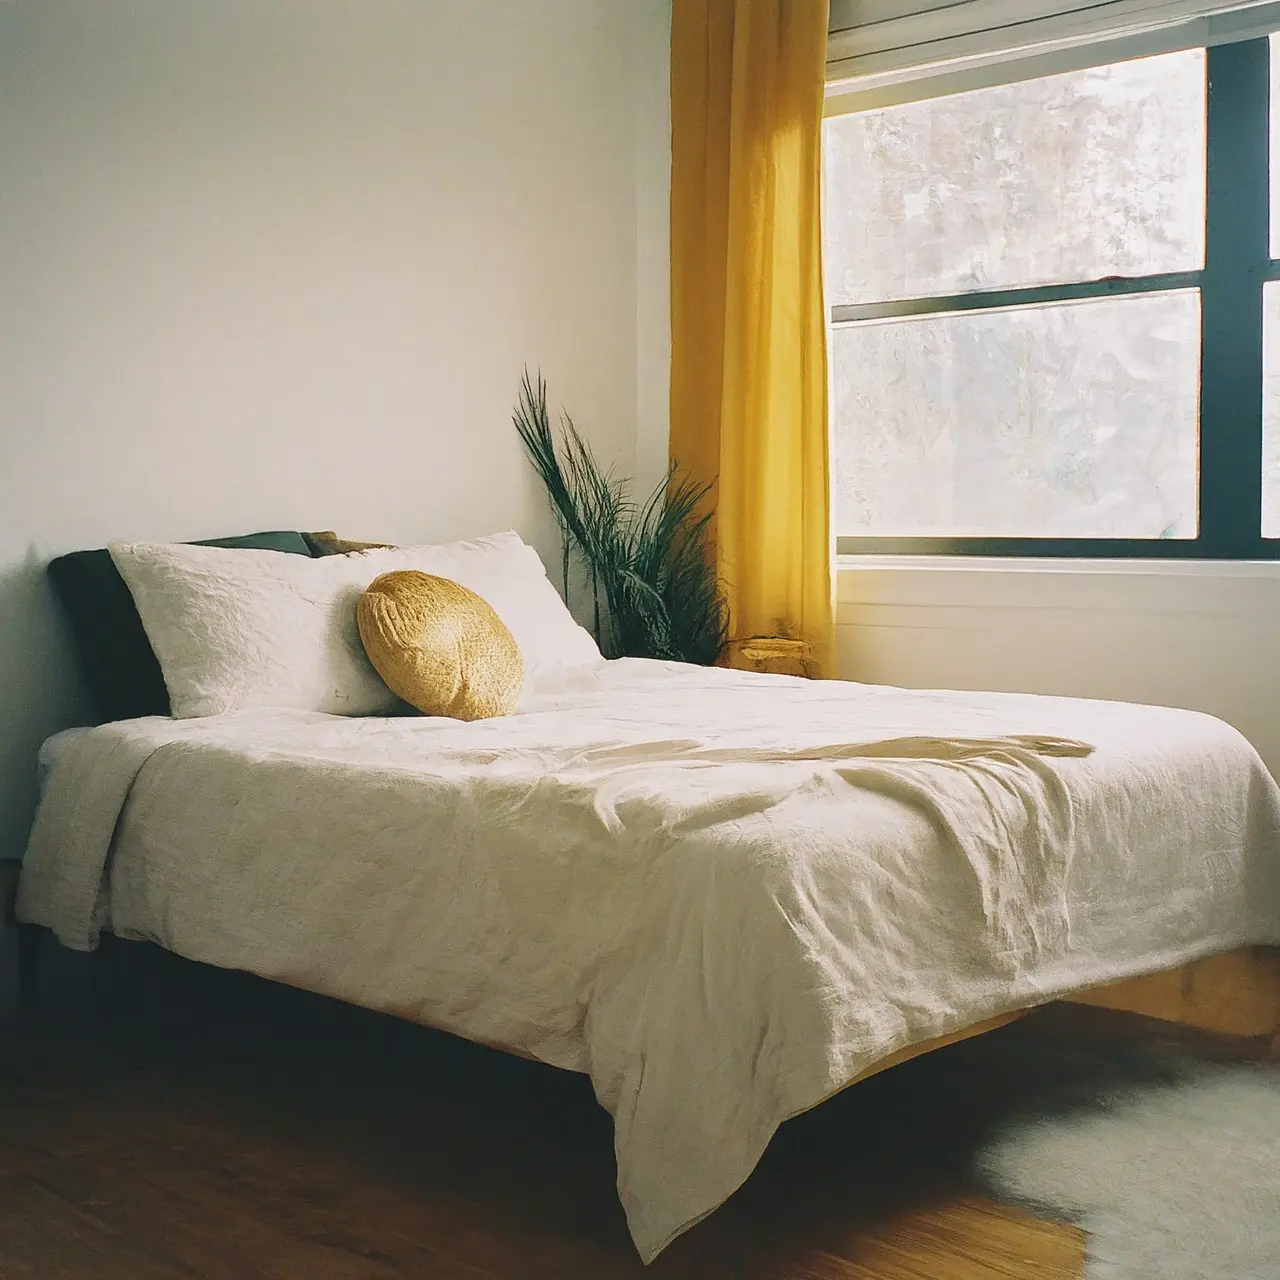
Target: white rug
1174,1179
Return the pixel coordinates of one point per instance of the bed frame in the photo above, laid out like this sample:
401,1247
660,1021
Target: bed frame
1236,995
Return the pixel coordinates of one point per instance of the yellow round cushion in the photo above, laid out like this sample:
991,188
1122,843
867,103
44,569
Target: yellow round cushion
439,646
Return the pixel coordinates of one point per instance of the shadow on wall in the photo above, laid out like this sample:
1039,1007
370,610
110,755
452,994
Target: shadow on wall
41,690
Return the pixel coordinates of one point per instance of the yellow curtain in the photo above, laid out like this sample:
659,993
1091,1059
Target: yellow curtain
748,330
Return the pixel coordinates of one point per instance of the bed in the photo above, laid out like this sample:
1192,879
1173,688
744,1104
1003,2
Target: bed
723,895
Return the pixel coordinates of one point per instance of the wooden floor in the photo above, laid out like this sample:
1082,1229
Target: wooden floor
170,1121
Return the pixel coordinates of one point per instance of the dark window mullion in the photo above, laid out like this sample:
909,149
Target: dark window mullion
1048,548
1237,257
997,299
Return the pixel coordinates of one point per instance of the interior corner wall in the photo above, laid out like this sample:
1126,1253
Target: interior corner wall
277,265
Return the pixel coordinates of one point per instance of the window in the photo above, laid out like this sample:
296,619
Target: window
1055,314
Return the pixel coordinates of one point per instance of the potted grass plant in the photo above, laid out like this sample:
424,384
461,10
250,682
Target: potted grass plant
647,564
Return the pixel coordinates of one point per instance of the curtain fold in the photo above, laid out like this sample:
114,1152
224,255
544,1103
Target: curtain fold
748,326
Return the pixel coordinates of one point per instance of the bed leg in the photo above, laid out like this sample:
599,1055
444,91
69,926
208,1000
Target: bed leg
30,937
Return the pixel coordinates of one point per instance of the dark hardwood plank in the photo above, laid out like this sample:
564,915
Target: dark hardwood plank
43,1237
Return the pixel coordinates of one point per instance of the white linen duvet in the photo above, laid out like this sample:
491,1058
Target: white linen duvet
722,895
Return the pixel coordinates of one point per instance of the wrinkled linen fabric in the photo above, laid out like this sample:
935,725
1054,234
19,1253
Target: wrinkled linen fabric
723,895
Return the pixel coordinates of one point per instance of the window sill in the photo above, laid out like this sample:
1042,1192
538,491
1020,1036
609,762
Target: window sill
867,584
1269,569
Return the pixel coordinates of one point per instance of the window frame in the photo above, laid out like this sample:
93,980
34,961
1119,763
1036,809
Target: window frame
1237,264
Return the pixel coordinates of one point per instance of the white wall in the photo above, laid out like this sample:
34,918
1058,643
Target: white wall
1199,635
273,264
653,260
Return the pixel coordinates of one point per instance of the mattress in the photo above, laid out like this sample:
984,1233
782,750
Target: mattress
723,895
51,752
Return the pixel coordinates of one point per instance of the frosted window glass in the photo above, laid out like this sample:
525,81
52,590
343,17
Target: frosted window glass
1271,410
1064,420
1064,178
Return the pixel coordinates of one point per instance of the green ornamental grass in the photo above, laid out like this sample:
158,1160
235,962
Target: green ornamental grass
652,577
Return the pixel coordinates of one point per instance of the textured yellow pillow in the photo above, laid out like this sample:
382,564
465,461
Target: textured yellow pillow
439,646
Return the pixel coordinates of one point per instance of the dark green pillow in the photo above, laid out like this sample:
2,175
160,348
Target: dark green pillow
120,667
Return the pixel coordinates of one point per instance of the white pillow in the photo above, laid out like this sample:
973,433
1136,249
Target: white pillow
509,574
237,628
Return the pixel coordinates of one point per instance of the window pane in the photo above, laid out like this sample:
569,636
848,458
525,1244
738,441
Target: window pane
1069,177
1271,410
1064,420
